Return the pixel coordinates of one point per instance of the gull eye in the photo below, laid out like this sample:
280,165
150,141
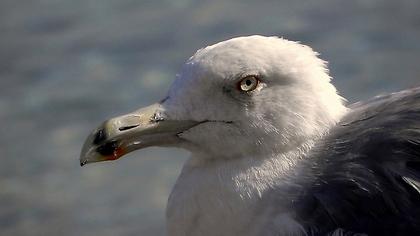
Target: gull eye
248,83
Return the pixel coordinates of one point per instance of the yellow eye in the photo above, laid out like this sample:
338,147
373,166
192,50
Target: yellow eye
248,83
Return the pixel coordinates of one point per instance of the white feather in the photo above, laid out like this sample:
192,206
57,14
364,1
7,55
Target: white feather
234,164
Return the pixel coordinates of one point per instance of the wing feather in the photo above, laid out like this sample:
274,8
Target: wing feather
364,176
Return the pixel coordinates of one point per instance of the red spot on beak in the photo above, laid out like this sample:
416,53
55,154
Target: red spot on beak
118,152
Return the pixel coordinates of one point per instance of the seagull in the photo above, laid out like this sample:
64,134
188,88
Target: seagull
274,149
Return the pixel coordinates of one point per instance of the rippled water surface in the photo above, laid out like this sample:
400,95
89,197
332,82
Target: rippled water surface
65,66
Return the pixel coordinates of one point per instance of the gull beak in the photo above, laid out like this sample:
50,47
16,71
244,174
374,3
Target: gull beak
121,135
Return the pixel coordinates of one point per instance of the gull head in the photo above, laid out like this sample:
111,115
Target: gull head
246,96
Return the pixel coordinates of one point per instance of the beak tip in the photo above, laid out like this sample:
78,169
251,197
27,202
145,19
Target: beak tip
82,163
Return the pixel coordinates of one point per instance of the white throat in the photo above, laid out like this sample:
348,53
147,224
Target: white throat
219,197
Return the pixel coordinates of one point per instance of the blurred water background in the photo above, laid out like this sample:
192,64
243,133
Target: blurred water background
65,66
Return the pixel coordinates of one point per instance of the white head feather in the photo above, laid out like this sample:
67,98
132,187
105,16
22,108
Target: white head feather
294,102
256,137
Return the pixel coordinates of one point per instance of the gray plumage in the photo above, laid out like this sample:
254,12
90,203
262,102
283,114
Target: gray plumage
364,177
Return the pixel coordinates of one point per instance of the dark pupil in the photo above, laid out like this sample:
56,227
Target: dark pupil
248,82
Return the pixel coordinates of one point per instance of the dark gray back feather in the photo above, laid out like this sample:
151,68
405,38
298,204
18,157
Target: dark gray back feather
364,176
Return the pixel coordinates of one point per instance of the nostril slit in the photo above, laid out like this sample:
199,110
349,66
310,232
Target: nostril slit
99,137
127,127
